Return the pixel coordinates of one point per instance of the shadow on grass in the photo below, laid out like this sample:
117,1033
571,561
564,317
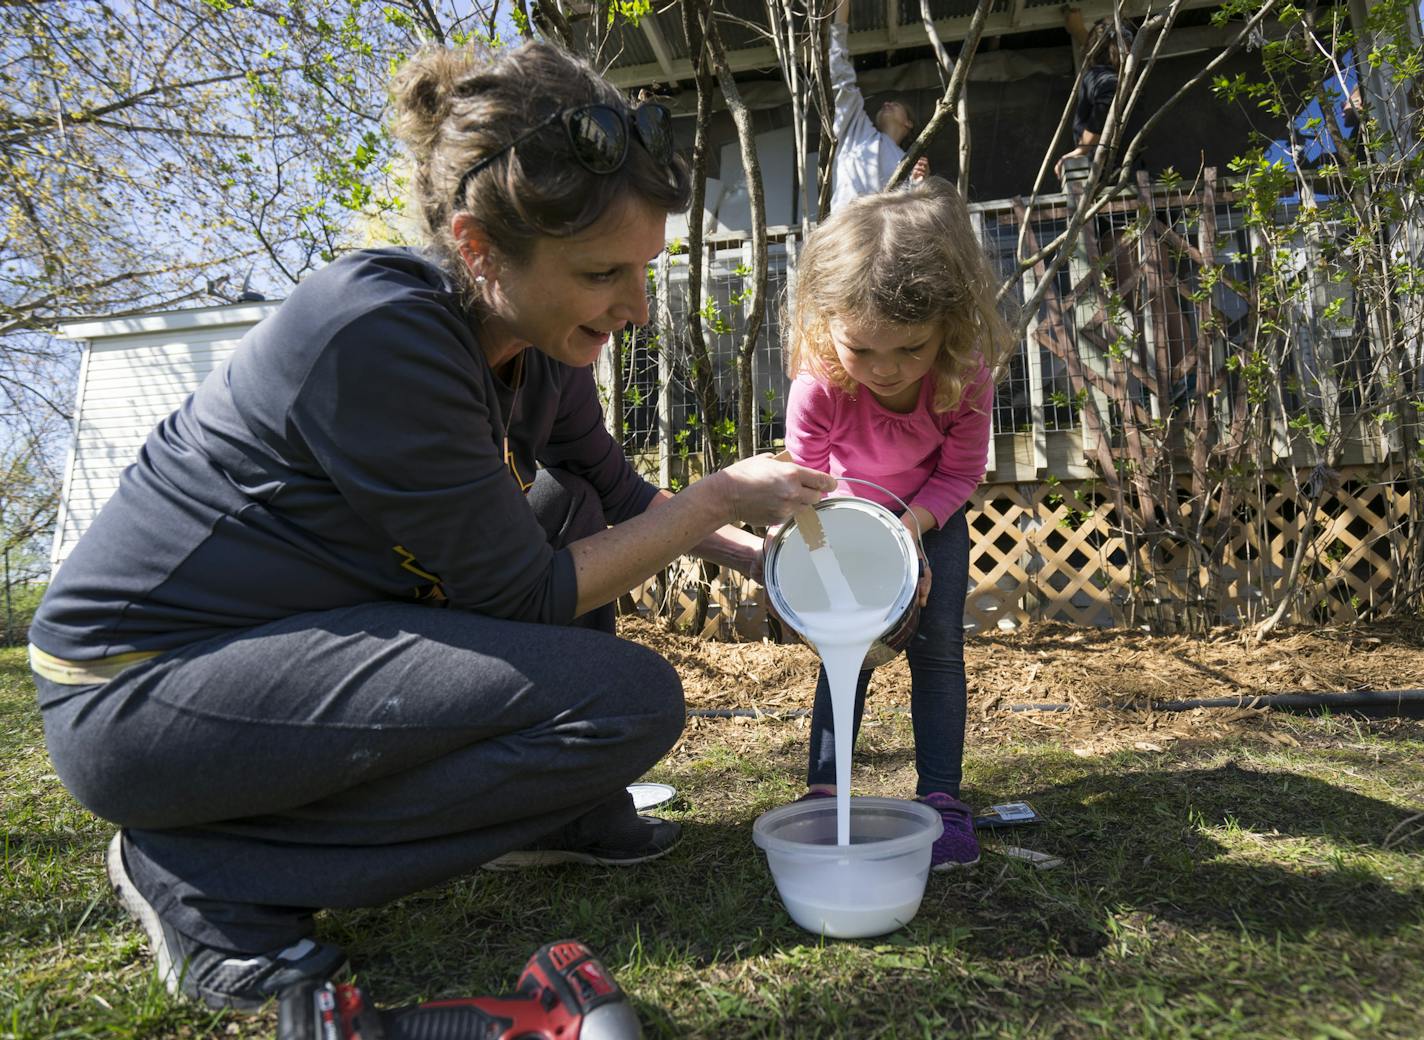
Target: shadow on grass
1135,844
705,903
1271,853
711,903
21,731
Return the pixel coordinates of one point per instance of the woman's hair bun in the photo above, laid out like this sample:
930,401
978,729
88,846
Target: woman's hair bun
455,108
423,90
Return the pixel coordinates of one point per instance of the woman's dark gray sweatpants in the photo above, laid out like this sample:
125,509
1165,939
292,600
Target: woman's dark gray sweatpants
349,757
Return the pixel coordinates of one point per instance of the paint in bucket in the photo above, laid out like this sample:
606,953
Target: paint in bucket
871,887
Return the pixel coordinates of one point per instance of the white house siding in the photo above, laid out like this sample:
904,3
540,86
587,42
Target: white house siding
134,372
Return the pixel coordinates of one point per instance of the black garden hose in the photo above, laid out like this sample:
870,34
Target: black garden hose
1369,703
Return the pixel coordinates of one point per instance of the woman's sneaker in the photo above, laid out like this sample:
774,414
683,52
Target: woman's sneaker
220,979
649,838
957,846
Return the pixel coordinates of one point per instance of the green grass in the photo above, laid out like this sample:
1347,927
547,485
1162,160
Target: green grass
1236,889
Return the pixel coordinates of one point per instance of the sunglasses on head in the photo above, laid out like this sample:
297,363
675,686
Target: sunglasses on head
598,137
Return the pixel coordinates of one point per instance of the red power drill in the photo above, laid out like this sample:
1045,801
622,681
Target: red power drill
564,993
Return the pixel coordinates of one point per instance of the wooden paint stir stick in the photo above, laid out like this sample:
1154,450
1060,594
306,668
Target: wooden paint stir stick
823,557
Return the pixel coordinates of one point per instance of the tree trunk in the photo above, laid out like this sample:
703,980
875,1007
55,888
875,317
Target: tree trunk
701,370
751,332
615,392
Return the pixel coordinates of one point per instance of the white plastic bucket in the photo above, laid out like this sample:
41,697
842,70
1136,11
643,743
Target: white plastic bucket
871,886
877,555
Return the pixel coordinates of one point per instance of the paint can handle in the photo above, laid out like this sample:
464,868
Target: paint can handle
813,526
897,498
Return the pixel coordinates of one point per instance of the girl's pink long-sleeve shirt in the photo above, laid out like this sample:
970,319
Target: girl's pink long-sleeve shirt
932,460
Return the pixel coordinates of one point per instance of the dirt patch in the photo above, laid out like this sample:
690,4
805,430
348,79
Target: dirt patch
1096,672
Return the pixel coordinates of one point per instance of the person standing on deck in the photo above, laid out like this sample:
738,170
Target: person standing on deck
867,151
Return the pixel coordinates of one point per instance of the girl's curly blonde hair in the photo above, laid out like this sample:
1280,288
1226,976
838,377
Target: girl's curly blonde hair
898,258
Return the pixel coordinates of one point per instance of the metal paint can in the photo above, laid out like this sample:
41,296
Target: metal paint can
880,560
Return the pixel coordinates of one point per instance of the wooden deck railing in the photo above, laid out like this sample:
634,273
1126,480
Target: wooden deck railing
1123,408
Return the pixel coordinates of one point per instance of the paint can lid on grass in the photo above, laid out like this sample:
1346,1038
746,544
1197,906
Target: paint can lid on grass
649,796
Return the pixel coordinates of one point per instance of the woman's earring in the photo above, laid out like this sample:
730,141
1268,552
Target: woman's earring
479,279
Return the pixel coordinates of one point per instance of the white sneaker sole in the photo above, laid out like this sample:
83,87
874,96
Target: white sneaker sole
166,970
139,909
523,859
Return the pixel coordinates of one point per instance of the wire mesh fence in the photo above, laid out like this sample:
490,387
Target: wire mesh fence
1151,280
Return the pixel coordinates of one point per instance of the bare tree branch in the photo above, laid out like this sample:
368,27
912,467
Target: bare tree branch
948,106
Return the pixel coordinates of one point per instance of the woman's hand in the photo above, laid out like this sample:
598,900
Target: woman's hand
760,491
757,571
734,547
764,490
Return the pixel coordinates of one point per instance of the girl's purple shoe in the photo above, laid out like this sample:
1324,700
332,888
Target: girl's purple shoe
957,846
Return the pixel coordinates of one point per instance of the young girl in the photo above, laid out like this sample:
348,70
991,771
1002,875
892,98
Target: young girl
892,343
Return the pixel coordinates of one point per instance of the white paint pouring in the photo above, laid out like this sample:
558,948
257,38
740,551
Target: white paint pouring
852,604
841,601
870,887
841,637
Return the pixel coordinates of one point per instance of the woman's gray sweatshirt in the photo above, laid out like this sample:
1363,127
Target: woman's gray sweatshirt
352,449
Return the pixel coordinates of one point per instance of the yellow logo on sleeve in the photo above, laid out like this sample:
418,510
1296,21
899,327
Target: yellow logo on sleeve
509,460
432,589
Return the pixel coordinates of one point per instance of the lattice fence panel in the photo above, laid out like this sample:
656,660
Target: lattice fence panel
1058,552
1353,558
999,570
1040,551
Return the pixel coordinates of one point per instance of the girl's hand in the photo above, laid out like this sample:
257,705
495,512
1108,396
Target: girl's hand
764,490
926,523
918,520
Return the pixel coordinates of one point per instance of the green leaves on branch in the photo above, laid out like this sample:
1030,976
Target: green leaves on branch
631,11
